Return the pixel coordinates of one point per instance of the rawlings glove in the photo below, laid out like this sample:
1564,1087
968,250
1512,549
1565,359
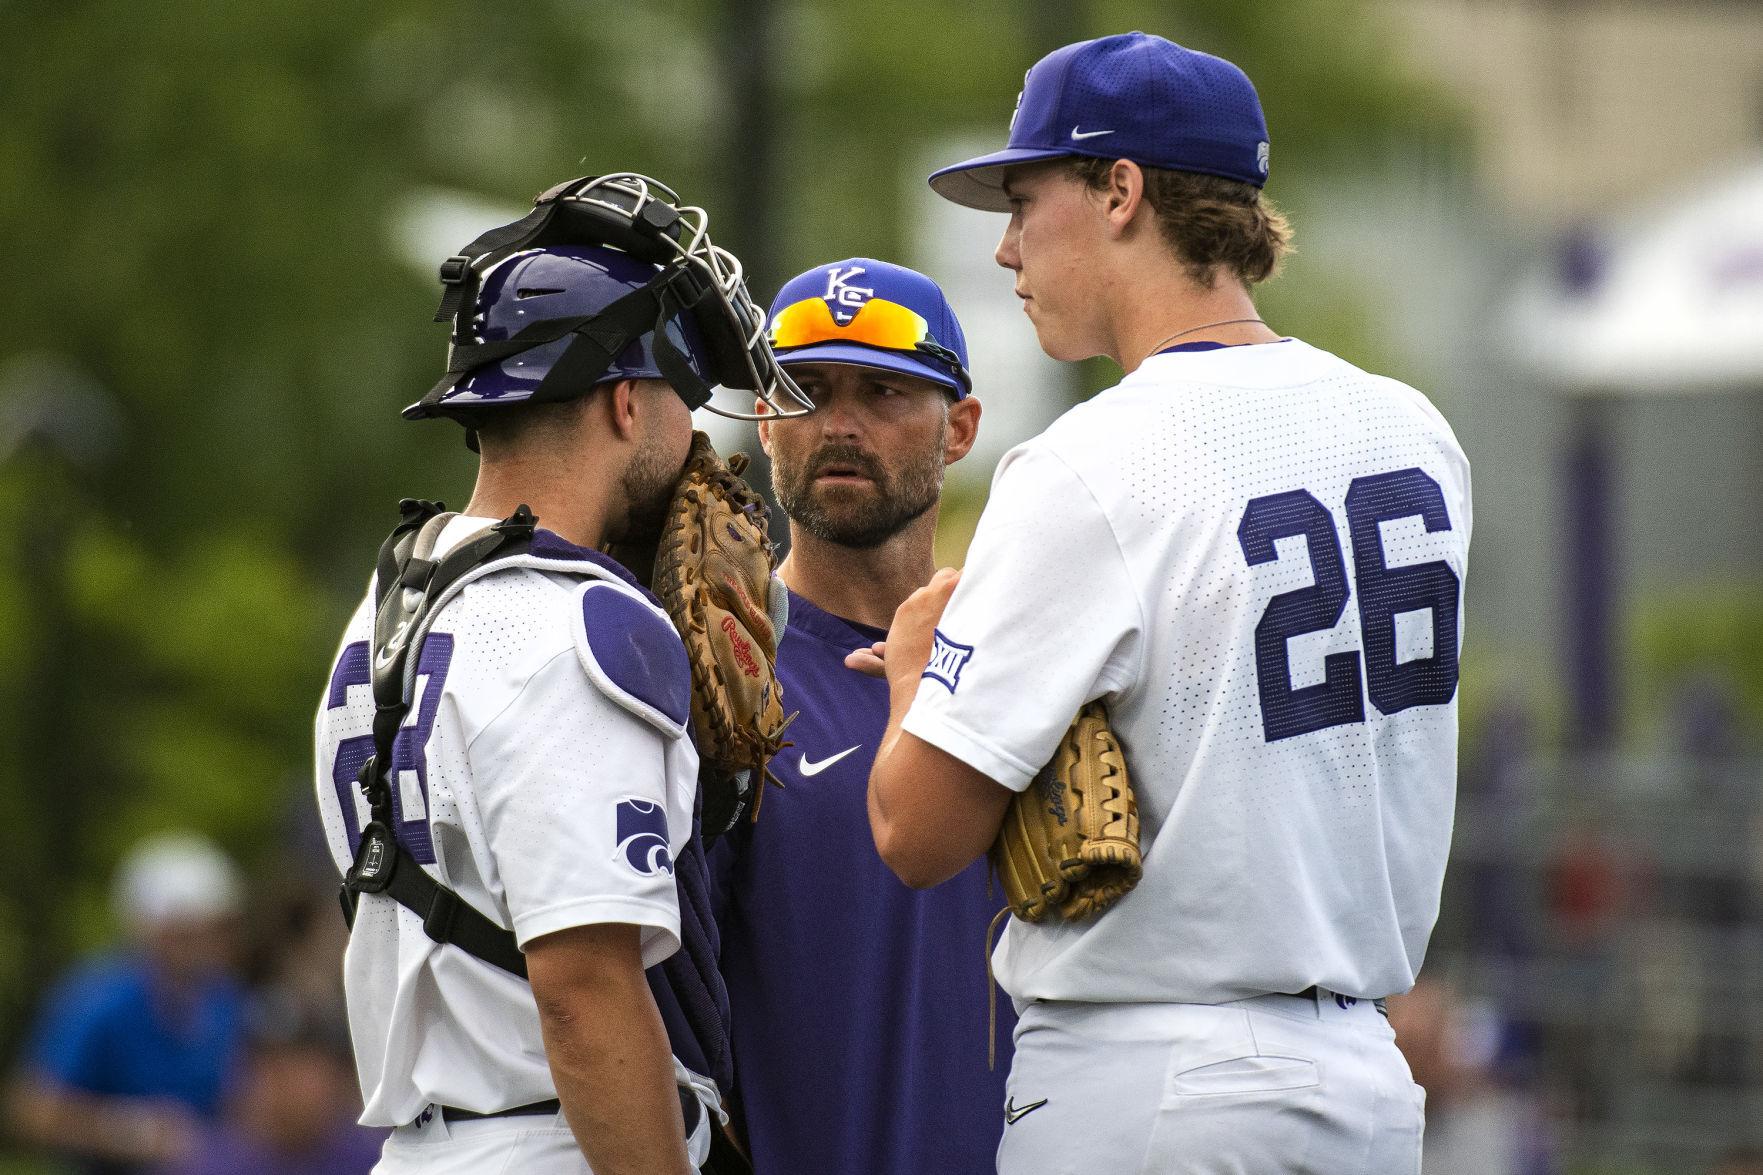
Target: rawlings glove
1070,840
713,573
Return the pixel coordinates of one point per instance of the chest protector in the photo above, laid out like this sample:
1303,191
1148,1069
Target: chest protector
410,585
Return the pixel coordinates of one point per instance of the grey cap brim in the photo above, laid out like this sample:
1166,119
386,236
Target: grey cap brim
979,183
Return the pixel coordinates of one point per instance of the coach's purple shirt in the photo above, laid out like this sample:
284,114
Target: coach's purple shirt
859,1004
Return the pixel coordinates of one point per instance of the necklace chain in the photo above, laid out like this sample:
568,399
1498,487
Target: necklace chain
1196,329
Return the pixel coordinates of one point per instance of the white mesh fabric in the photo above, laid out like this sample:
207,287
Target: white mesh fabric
1109,563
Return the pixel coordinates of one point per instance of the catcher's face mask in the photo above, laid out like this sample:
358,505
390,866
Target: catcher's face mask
690,280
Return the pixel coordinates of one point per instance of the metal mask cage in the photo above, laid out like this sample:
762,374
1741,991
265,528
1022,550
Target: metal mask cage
682,231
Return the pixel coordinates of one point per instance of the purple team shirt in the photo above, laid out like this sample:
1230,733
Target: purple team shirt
859,1004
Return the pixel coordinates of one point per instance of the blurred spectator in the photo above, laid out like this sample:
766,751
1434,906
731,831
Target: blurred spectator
1741,1161
296,939
1589,879
1475,1123
1590,885
1498,777
297,1103
134,1050
1667,1005
1715,888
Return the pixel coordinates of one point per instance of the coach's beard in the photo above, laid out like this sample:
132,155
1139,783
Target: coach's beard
850,517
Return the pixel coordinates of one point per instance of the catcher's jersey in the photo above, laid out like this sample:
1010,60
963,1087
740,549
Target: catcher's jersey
544,775
859,1005
1255,555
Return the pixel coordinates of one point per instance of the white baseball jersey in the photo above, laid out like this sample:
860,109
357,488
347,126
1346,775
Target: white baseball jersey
1255,555
543,774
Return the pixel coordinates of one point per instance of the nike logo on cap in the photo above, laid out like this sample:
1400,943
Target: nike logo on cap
1012,1111
809,767
1077,134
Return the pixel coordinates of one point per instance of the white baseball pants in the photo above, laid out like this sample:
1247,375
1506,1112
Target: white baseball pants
521,1144
1275,1085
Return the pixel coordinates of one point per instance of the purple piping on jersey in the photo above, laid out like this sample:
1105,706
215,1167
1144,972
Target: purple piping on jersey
548,545
639,651
1208,345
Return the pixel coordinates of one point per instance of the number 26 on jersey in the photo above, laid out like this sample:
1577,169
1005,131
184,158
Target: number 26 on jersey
1384,593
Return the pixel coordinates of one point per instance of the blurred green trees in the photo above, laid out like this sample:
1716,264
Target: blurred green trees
201,205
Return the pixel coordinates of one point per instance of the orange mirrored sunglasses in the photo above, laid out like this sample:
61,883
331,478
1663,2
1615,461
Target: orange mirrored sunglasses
878,323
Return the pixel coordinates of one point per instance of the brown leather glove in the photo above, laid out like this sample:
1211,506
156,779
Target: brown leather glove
1070,840
713,573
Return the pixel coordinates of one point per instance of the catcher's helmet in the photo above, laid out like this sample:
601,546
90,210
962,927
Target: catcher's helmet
545,285
674,276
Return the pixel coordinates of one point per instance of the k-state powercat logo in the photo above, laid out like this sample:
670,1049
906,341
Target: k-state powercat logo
642,836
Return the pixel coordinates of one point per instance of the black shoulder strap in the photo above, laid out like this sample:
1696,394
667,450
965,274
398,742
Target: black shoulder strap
409,582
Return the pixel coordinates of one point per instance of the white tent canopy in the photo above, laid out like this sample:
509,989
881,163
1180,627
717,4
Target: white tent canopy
1669,303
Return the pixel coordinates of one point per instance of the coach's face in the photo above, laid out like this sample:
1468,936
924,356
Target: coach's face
1055,234
869,459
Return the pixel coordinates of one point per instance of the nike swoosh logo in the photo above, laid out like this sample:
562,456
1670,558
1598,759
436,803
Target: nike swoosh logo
393,647
1013,1112
809,767
1077,134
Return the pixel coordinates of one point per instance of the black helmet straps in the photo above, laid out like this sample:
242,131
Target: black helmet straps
600,338
643,218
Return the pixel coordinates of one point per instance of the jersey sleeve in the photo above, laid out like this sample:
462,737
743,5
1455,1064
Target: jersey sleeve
574,793
1045,618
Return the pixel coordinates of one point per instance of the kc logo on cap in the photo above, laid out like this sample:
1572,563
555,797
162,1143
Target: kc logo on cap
869,313
840,292
1132,96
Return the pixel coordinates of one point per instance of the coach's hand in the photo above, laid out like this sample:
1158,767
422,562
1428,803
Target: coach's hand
870,659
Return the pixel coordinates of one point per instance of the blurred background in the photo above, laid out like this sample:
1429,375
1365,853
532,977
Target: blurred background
221,225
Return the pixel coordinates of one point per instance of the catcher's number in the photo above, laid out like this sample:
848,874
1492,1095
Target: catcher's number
1069,844
712,570
409,750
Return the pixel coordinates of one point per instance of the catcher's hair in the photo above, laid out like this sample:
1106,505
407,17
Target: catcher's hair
511,427
1206,220
525,425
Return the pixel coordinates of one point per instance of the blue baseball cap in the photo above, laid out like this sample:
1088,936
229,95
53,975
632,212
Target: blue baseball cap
1132,96
937,352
